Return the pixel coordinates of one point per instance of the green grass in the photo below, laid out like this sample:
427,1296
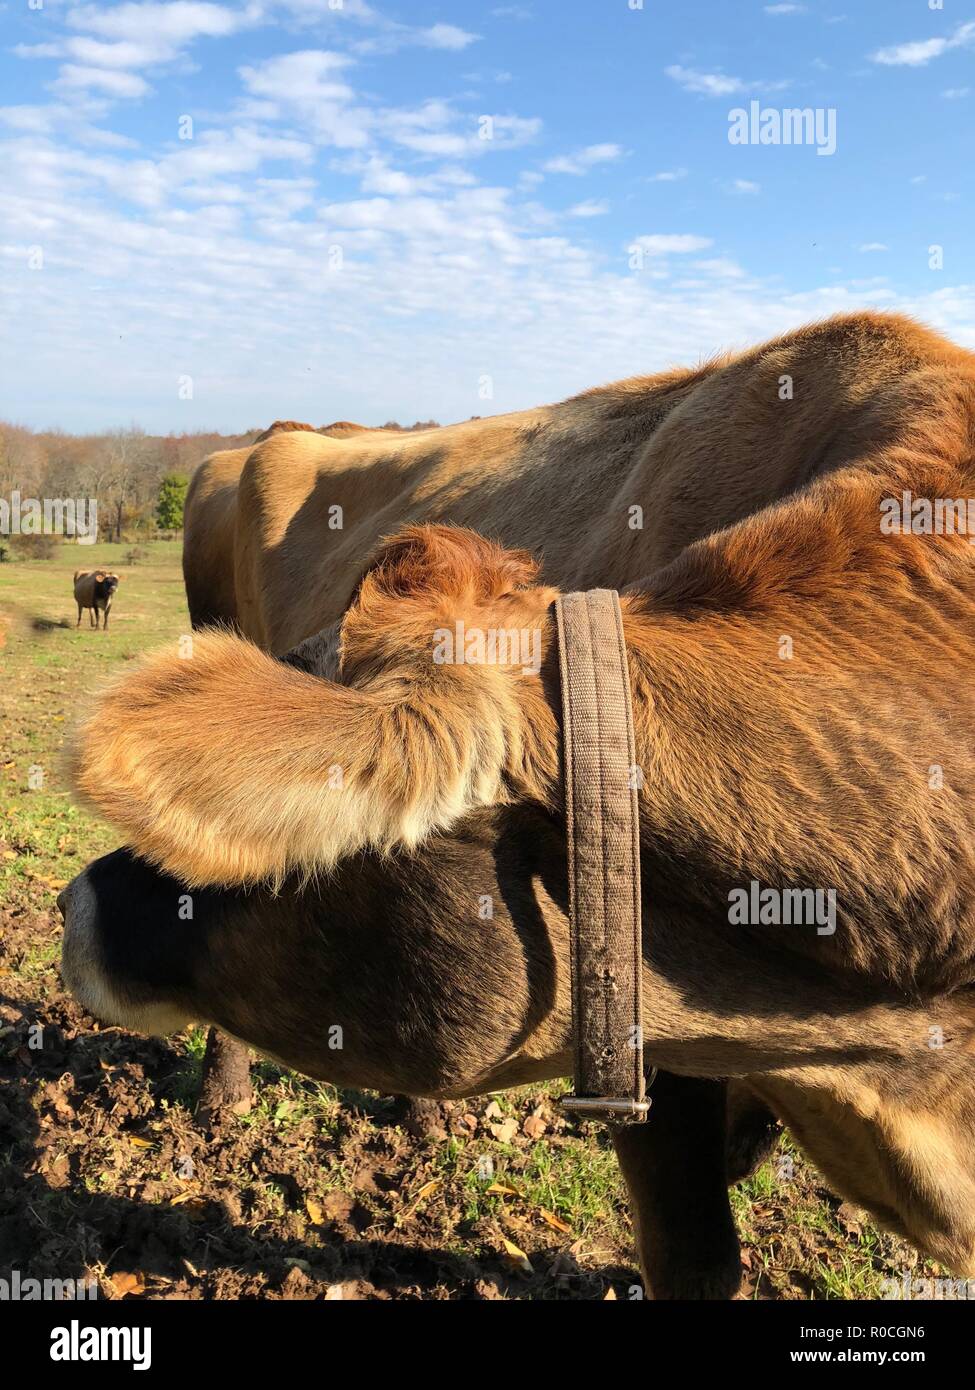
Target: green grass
49,668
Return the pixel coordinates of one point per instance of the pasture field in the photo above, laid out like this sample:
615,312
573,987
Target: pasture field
314,1193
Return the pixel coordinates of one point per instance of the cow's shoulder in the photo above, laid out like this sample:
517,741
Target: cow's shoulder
218,470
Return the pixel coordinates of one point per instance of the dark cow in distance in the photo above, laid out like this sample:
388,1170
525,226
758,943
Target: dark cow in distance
338,802
94,590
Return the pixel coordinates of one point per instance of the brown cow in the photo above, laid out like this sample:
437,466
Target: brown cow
94,589
803,723
210,518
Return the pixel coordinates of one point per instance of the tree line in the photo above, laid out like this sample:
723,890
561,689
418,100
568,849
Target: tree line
139,479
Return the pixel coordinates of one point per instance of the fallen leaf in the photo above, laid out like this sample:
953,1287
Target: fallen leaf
554,1221
125,1284
315,1214
505,1131
516,1257
502,1189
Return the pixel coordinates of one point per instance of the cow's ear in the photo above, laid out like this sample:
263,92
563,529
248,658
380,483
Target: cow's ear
230,767
99,576
424,562
421,580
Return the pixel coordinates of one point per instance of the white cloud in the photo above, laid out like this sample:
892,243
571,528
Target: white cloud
583,160
309,84
592,207
319,11
672,245
873,246
393,36
785,9
309,87
113,83
719,84
667,176
436,130
446,36
435,291
722,267
711,84
36,50
177,22
920,52
956,93
132,36
745,186
69,121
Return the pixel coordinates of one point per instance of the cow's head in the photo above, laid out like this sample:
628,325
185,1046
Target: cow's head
419,974
105,585
224,766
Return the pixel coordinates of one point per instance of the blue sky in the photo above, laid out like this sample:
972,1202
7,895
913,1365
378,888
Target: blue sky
447,209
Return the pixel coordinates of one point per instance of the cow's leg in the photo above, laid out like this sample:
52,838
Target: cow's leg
105,612
225,1087
904,1151
752,1131
675,1171
78,623
93,618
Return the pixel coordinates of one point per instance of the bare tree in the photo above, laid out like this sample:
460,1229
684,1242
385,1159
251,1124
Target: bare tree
126,452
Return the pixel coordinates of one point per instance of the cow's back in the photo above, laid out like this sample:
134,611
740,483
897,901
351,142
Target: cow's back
606,487
84,587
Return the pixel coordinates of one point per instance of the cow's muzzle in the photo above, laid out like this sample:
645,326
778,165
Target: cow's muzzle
88,927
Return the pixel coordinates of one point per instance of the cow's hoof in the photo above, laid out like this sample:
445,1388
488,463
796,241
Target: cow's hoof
719,1280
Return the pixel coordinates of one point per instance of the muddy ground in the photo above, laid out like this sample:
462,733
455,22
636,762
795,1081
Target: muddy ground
318,1195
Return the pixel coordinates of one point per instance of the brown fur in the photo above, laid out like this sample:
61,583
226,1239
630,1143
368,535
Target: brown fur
761,521
282,427
210,522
